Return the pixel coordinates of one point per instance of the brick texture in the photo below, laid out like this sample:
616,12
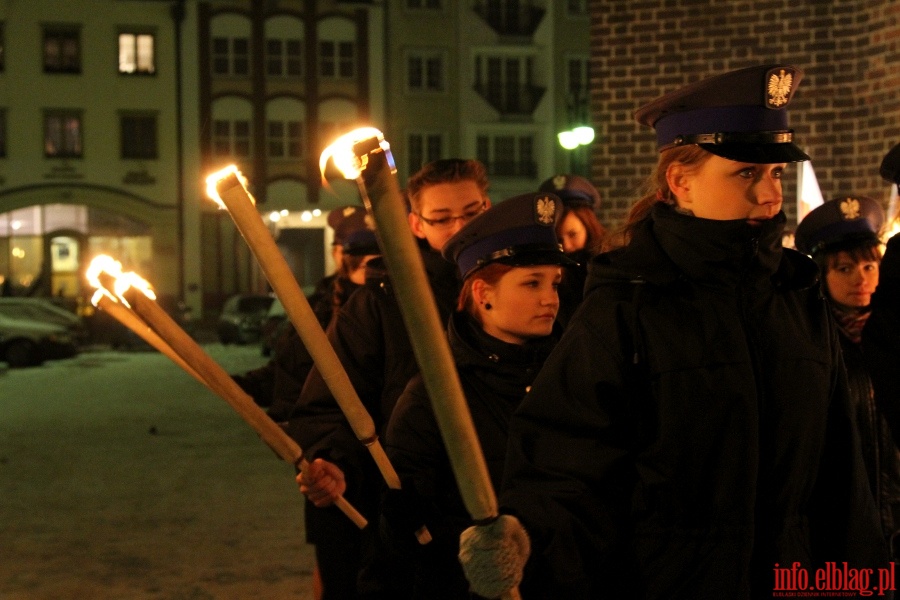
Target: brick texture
845,114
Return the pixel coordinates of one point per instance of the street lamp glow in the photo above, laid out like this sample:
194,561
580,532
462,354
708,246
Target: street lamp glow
274,216
568,140
584,134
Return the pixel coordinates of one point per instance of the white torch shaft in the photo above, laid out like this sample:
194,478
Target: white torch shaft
220,382
281,278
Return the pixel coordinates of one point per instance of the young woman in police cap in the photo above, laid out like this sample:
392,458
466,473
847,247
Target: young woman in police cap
580,233
843,237
691,432
500,334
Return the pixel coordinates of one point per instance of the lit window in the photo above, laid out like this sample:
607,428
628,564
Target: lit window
62,134
136,53
138,136
62,50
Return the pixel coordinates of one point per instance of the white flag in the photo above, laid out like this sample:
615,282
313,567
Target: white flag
809,196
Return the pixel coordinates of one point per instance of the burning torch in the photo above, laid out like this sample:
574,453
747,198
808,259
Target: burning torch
227,188
365,156
138,301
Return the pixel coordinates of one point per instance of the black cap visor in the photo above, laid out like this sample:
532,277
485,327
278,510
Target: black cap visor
761,153
525,257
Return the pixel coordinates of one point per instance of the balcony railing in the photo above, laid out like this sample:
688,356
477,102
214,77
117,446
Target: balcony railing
510,99
510,17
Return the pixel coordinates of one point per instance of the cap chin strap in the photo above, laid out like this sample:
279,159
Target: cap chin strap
756,137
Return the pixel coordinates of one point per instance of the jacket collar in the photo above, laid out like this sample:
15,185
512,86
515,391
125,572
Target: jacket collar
669,246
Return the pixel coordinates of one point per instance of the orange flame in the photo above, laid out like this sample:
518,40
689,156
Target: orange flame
341,152
213,180
102,264
132,280
100,293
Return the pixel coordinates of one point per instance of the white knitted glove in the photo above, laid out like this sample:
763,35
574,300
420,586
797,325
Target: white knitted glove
494,555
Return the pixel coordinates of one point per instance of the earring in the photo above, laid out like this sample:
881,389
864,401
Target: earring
488,306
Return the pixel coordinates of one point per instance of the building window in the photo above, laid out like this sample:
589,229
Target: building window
423,148
285,139
138,133
424,4
577,7
507,83
337,60
62,134
284,58
137,53
507,155
231,138
425,72
62,50
231,56
2,133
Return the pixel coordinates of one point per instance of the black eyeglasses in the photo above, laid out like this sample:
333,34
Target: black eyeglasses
447,222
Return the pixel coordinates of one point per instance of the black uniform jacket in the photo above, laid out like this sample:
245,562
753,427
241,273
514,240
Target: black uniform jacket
370,339
881,357
692,429
494,376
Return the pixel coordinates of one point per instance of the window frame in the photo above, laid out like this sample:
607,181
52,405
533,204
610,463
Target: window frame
285,140
424,55
126,150
418,157
342,67
64,114
137,33
61,33
231,57
284,59
234,140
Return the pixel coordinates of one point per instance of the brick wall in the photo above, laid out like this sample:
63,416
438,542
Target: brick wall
846,112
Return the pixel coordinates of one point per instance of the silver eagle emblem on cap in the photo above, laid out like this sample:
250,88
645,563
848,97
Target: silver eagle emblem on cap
779,88
850,208
546,210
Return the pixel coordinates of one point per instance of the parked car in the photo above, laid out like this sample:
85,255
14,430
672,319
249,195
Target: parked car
45,311
241,319
25,342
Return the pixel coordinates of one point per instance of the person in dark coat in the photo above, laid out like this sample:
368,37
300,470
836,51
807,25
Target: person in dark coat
691,436
580,233
370,339
500,335
842,236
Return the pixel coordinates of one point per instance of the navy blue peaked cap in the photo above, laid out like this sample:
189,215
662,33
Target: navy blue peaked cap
740,115
840,221
519,231
573,190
